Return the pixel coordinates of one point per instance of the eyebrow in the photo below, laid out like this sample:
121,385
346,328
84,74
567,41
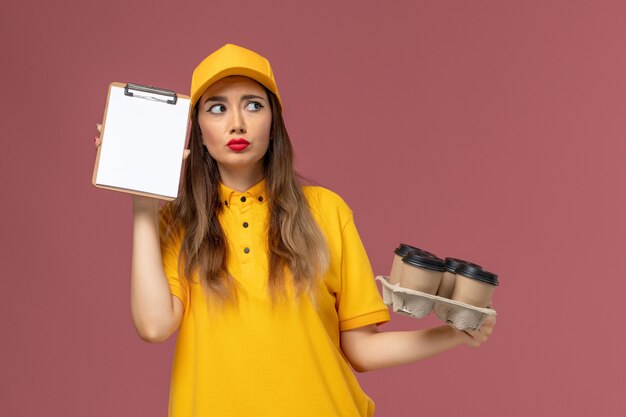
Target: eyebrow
251,96
215,98
244,97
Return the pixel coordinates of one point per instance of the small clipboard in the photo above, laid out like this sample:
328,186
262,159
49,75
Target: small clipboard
143,135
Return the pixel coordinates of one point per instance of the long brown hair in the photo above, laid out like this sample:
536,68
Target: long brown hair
295,241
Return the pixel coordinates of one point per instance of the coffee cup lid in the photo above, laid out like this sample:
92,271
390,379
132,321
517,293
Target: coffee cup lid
453,263
404,249
478,274
424,261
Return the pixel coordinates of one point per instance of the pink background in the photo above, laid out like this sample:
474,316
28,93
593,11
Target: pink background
486,130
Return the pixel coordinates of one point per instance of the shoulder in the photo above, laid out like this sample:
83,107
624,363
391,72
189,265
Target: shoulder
324,198
327,205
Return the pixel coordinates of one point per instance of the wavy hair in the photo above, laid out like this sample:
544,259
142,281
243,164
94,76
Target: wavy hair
294,240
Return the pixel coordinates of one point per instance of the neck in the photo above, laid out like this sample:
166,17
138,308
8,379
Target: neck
241,178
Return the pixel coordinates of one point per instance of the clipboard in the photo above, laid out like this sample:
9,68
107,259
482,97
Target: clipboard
143,136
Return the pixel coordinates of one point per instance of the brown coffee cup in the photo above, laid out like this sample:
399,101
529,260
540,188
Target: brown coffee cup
474,286
399,253
421,272
396,268
449,276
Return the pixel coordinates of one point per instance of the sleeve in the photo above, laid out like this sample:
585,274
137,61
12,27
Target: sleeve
170,249
359,302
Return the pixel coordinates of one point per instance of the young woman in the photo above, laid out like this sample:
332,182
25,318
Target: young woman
266,280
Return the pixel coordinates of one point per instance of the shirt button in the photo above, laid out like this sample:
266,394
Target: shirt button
243,199
245,224
260,199
225,202
246,250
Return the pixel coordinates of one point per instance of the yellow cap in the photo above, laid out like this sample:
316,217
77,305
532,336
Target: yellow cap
232,60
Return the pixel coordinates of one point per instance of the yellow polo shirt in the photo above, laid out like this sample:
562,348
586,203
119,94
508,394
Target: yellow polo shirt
262,360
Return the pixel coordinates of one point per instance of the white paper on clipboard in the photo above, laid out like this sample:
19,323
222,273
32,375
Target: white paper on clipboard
143,139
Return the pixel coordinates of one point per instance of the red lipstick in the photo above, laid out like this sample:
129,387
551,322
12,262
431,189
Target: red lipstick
237,145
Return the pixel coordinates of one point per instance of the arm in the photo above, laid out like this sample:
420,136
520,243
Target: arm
156,313
367,349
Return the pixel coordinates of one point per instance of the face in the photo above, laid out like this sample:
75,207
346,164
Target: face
235,119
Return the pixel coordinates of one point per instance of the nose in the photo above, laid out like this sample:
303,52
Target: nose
237,123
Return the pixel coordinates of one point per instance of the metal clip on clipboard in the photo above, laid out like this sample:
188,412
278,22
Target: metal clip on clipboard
150,93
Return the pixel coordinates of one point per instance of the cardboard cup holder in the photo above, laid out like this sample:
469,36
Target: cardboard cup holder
387,294
417,304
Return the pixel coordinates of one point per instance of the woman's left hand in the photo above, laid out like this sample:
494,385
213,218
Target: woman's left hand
475,338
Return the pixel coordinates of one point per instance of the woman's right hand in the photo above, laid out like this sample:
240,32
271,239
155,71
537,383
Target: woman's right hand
98,141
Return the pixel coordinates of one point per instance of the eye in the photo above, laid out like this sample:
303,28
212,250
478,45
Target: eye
217,109
254,106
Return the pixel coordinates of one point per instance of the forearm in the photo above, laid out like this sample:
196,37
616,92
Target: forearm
373,350
151,300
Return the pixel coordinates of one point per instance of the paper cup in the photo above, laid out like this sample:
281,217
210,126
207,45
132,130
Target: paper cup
421,273
449,276
474,286
399,253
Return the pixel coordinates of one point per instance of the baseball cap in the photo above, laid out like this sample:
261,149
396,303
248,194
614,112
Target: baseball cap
232,60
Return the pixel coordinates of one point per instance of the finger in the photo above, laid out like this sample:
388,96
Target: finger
489,321
472,333
467,337
99,127
186,153
478,337
97,141
486,331
486,328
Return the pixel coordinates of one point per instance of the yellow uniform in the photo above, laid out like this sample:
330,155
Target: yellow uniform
259,359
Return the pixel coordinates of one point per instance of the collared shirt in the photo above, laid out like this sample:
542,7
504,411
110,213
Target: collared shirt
263,359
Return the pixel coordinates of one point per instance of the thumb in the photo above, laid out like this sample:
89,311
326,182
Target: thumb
186,153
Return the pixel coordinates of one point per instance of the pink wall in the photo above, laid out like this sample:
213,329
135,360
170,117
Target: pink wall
486,130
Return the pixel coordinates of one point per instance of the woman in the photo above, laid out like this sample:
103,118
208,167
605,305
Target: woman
266,281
